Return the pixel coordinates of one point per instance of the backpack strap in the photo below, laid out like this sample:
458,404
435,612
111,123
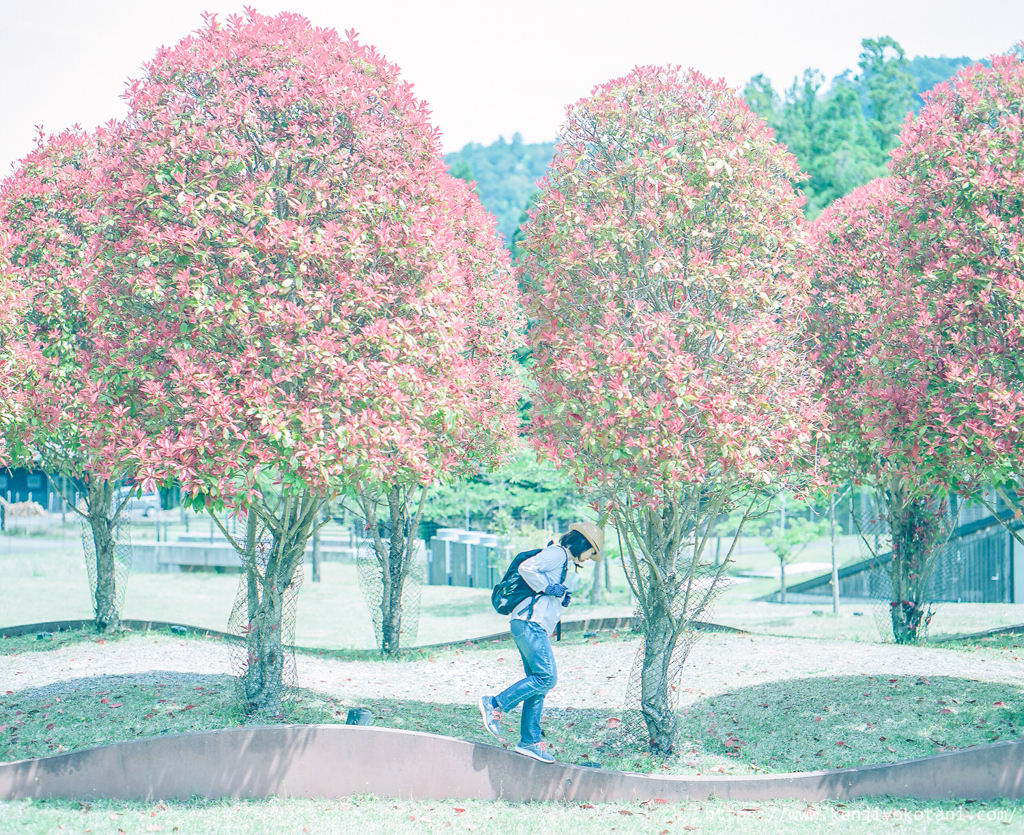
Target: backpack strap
565,568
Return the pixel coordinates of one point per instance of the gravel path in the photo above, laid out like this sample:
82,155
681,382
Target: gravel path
590,676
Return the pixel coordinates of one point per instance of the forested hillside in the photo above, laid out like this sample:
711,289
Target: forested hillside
841,134
505,174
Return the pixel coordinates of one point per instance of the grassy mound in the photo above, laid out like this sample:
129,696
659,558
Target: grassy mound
797,725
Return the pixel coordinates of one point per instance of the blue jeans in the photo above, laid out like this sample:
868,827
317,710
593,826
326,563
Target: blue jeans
539,666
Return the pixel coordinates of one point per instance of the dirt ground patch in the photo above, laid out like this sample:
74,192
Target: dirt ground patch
591,675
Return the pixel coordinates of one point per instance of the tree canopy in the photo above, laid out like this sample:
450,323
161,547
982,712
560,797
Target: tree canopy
962,174
307,276
670,379
264,285
917,320
10,390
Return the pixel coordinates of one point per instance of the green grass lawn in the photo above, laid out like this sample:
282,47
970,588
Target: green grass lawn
1004,641
368,815
49,583
793,725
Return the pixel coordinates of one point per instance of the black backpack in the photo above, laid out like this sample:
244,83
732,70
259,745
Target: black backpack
513,589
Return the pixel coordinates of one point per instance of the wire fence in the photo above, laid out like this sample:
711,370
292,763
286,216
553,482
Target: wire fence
370,571
936,573
255,661
122,536
652,672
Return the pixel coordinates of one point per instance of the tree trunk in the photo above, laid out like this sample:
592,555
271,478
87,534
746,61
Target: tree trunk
663,559
100,509
916,531
263,680
835,563
394,558
595,586
607,575
268,578
782,579
660,718
394,574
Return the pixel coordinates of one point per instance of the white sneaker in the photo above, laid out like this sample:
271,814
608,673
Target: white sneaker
491,715
537,751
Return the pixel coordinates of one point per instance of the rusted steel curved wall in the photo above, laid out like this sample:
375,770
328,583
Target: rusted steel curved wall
330,761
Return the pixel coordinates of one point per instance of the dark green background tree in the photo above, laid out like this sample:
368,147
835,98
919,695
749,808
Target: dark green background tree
841,136
505,174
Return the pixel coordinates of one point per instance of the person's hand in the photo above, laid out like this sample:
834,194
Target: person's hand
567,599
555,590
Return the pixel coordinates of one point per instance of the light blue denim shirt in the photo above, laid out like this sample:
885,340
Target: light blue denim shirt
540,571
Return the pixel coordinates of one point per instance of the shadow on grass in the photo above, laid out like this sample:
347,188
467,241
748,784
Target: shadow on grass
49,641
46,641
572,735
1001,640
798,725
801,725
84,712
825,722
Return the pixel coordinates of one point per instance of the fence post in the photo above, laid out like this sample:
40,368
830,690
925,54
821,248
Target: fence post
835,564
316,551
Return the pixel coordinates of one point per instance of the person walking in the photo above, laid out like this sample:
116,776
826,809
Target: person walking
532,624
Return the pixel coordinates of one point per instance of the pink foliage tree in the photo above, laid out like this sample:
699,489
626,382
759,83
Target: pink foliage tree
314,305
10,390
68,421
961,171
876,345
469,390
671,377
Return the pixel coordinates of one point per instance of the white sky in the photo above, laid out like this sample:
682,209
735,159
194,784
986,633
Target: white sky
485,68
